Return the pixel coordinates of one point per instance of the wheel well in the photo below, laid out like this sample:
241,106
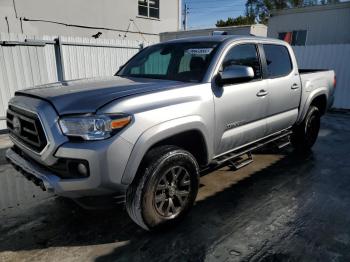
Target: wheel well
192,141
321,103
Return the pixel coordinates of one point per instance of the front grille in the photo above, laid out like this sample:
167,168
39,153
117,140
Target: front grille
26,127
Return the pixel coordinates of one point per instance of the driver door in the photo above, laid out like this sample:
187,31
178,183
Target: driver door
240,108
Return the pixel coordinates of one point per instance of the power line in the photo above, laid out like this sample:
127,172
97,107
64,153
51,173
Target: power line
202,8
206,11
14,8
208,1
213,4
211,7
215,8
83,26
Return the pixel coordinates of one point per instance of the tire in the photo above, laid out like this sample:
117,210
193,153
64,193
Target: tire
305,134
164,188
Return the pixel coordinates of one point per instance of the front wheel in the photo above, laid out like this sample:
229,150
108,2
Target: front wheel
164,189
305,134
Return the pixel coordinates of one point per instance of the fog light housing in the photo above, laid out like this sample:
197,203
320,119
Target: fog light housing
78,168
83,170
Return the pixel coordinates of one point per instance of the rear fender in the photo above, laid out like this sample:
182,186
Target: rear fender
306,105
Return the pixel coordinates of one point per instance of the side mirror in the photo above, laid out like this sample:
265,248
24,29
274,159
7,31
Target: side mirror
235,74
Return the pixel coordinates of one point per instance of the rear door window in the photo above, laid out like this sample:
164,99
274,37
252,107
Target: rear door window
277,60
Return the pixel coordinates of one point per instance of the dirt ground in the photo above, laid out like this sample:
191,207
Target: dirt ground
283,207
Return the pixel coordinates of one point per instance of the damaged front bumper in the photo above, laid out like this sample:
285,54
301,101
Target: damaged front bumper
33,172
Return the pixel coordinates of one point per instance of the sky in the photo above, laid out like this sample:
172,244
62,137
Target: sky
205,13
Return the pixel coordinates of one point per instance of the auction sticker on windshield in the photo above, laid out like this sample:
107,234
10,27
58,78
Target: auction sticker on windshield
199,51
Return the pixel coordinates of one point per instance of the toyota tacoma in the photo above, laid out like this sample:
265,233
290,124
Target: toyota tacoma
174,111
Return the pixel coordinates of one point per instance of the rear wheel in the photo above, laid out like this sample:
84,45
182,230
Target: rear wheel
164,189
305,134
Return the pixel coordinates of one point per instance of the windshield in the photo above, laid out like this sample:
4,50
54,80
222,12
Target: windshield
186,61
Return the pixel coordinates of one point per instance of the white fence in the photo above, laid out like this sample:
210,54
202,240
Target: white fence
26,61
336,57
30,60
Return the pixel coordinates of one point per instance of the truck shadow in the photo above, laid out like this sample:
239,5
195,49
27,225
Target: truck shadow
215,217
60,223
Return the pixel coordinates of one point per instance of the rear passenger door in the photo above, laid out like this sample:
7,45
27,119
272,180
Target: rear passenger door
284,88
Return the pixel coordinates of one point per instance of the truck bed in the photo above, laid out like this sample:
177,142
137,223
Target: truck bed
311,81
306,71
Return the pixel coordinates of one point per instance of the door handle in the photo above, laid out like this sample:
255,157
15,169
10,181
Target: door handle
294,86
262,92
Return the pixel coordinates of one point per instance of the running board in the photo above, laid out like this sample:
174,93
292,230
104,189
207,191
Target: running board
284,144
241,162
235,158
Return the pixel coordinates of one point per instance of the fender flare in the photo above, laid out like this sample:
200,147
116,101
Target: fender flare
158,133
312,95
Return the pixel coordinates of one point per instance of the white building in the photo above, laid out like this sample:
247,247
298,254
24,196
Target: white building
320,36
312,25
129,19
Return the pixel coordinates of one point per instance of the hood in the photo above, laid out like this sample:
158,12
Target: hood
88,95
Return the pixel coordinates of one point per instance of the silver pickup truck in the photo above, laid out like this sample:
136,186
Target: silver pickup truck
174,111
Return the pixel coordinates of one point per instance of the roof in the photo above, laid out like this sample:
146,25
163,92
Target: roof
214,38
309,9
216,28
218,38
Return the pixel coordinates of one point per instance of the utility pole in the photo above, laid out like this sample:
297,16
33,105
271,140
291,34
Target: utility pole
185,13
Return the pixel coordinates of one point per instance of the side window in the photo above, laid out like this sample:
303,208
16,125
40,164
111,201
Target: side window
193,62
277,60
245,54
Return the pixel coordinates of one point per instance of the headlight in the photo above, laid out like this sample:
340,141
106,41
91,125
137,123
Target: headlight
95,127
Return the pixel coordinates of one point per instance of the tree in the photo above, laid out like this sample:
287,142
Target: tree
240,20
261,9
310,2
296,3
327,2
258,11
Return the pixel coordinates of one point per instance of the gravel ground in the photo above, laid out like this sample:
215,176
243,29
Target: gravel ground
283,207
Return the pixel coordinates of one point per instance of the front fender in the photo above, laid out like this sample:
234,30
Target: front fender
160,132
